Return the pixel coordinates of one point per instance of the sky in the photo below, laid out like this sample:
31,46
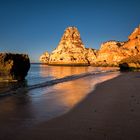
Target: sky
36,26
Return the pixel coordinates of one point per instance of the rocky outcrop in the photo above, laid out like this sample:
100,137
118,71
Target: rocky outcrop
70,50
135,34
132,46
13,66
44,58
91,55
130,63
112,52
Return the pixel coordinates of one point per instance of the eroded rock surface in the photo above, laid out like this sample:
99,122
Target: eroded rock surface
71,50
113,52
13,66
44,58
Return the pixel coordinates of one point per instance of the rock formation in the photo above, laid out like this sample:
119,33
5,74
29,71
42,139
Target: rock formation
13,66
91,55
44,58
110,53
132,48
71,50
113,52
130,63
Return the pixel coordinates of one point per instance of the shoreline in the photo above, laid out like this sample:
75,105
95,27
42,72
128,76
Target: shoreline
53,82
111,111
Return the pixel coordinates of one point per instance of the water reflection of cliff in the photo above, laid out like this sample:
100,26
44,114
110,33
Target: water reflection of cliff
72,92
62,71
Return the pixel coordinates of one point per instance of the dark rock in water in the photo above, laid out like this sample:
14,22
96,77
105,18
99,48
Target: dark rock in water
131,63
124,67
13,67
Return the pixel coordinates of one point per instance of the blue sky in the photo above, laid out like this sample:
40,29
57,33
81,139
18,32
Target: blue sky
36,26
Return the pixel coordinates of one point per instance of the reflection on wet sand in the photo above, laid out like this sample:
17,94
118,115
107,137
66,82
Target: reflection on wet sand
23,110
74,91
62,71
53,101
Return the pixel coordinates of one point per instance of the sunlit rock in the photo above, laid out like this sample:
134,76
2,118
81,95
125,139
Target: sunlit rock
132,46
135,34
91,55
44,58
112,52
70,50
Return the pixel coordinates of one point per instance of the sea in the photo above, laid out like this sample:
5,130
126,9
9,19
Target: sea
48,92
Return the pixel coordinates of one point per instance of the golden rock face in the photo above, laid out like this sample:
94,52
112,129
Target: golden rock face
135,33
112,52
44,58
71,50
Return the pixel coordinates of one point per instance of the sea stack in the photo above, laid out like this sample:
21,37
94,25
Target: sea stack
13,67
70,50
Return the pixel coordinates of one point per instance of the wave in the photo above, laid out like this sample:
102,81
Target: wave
24,89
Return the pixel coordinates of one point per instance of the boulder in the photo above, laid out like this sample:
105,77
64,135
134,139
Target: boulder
13,67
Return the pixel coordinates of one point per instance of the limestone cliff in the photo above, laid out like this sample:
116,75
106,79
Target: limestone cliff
133,44
112,52
91,55
70,50
44,58
131,62
135,34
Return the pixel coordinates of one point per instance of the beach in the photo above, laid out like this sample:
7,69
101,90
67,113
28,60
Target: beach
110,112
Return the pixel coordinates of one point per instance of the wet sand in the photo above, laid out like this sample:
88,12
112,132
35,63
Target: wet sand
111,112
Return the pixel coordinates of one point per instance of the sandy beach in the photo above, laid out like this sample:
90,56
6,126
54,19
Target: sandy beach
110,112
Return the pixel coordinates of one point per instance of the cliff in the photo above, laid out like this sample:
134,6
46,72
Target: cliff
44,58
110,53
71,50
113,52
13,66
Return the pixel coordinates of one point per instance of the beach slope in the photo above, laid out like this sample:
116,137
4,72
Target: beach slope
111,111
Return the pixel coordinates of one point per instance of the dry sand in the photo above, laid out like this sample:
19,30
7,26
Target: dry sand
111,112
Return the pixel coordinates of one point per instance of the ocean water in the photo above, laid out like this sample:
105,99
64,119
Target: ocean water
48,92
